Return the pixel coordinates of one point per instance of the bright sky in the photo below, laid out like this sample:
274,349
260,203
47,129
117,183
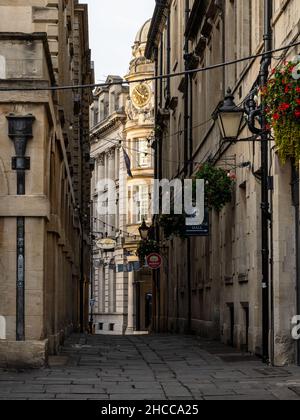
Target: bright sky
113,27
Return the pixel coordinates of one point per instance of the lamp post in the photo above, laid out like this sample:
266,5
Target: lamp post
144,231
20,131
230,120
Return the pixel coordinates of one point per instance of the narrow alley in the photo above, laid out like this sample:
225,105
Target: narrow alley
160,367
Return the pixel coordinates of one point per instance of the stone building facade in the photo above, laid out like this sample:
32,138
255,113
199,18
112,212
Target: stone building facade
45,210
213,285
123,122
108,119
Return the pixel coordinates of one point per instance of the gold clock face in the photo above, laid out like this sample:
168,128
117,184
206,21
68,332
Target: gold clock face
141,95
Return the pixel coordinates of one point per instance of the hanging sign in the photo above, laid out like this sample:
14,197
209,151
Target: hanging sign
154,261
106,244
194,229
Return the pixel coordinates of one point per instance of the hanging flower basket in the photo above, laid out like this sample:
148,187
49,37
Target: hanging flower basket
173,224
218,186
146,248
281,96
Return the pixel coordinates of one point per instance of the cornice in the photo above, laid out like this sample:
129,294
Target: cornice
111,122
159,18
35,36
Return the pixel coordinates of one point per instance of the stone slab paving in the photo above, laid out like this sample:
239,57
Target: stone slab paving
158,367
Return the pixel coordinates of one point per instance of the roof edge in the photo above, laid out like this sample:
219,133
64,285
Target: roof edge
162,6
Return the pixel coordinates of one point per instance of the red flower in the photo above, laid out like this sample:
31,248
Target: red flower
287,89
298,89
298,101
297,113
284,106
276,116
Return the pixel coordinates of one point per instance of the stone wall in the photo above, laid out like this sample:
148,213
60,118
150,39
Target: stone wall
23,355
225,293
56,203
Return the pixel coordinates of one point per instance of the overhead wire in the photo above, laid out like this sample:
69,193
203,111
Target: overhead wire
153,78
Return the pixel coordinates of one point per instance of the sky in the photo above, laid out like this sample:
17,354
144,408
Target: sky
113,25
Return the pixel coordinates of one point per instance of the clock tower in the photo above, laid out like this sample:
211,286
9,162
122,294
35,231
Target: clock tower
139,132
140,106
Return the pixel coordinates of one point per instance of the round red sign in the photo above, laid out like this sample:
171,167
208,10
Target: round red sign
154,261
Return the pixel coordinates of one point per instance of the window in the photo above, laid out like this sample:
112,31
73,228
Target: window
112,102
100,326
111,327
2,67
104,109
96,114
142,199
138,204
2,328
142,151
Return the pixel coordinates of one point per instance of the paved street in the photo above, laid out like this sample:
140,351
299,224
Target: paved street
151,368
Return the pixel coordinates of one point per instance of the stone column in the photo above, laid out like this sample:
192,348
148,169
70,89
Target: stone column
101,168
130,327
106,290
112,293
100,177
111,176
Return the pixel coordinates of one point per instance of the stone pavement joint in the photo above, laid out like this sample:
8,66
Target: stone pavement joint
158,367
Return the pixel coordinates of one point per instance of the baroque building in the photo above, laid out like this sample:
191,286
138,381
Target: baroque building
108,119
45,172
212,285
122,126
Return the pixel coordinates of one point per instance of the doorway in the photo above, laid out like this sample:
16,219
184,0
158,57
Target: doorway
148,311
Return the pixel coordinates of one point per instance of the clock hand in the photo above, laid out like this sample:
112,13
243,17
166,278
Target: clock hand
139,93
142,93
138,90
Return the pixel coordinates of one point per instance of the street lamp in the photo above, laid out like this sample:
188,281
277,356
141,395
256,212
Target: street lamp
20,130
144,231
230,118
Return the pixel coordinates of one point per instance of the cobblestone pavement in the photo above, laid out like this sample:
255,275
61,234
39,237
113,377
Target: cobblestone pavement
150,368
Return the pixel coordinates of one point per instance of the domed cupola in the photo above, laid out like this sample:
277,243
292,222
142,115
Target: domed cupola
139,47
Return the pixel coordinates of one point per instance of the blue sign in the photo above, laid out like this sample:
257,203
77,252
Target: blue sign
199,230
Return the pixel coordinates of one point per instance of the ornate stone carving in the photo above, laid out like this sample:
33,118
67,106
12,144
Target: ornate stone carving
101,159
111,154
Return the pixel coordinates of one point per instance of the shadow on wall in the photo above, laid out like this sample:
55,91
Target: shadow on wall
2,328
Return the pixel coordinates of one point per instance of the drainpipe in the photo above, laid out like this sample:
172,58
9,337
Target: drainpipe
156,273
186,92
296,204
20,131
82,253
265,205
169,56
187,116
92,274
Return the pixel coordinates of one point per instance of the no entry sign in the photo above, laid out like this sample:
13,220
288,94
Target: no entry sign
154,261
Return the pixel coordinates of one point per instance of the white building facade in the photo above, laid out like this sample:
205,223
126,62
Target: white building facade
122,122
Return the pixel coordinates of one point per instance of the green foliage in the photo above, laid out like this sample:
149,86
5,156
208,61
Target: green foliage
146,248
288,140
218,186
173,224
281,97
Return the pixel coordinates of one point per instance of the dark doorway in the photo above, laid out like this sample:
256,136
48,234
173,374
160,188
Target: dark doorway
247,325
231,315
138,306
148,312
